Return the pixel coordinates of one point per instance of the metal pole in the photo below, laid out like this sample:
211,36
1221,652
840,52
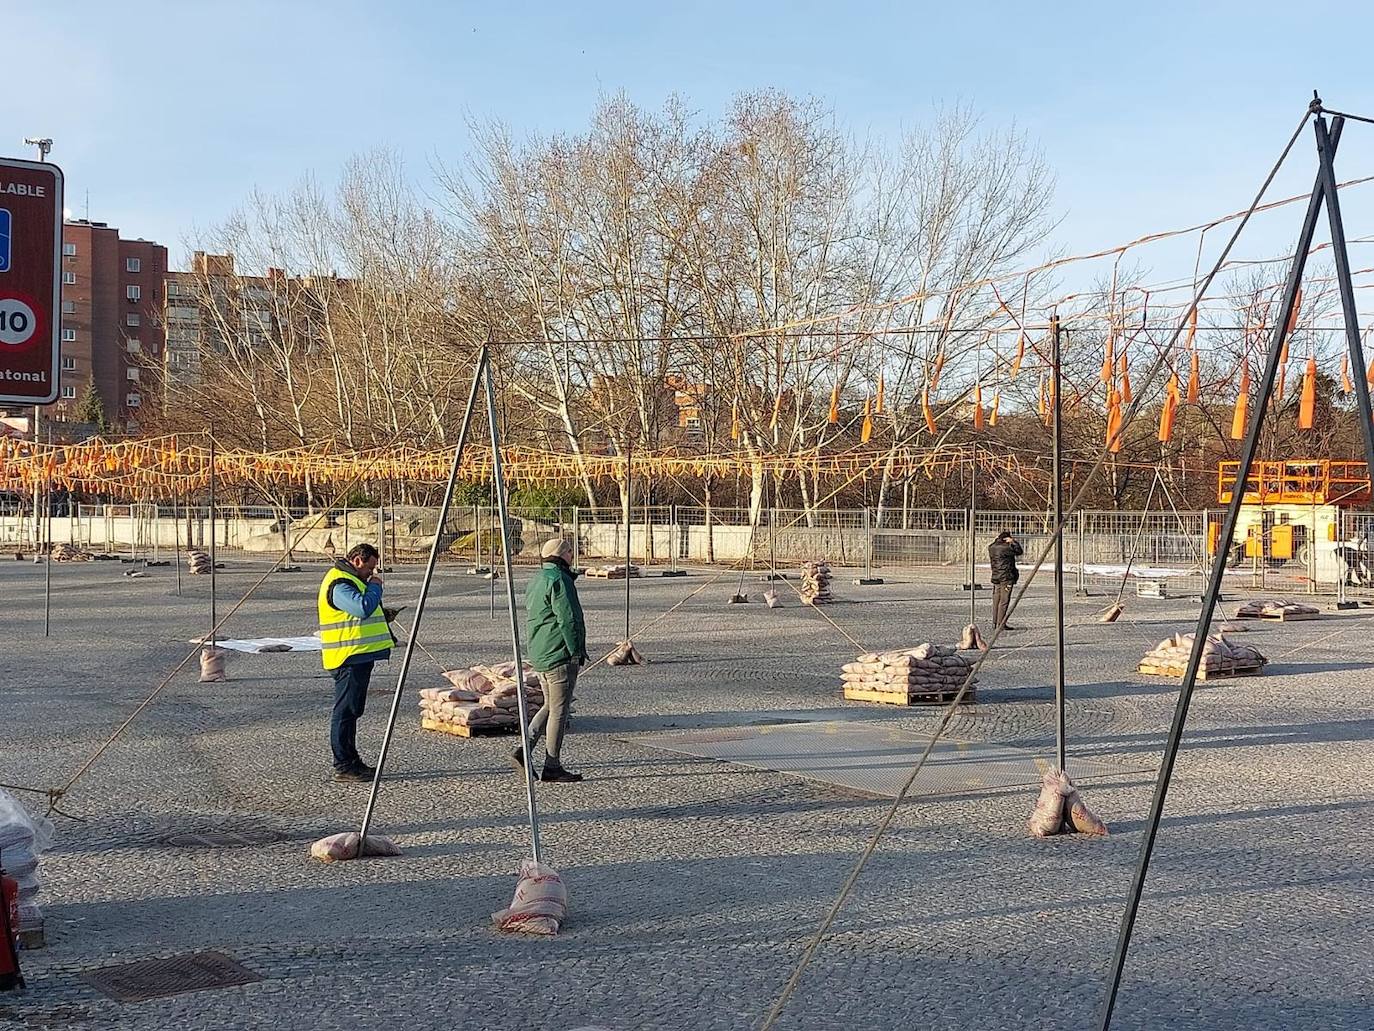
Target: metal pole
214,597
674,538
1058,487
868,542
47,562
499,485
577,535
424,596
1082,554
176,534
1209,601
491,563
381,539
476,538
629,483
973,542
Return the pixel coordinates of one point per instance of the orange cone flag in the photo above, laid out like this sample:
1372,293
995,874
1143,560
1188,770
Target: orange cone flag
1192,328
1241,415
878,403
1043,405
925,410
1369,376
1194,381
1278,387
834,415
734,421
1307,407
939,368
1166,415
1114,422
1347,387
1020,353
1126,396
1108,361
978,418
867,430
1293,318
996,403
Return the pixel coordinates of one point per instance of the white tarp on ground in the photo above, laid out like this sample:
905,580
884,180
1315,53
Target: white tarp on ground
1143,572
267,644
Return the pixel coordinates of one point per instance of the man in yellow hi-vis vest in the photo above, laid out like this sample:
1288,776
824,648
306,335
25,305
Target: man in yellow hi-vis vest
353,635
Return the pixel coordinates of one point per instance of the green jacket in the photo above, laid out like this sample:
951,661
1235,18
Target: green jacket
557,631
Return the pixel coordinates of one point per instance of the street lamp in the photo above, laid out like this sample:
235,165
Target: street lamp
43,143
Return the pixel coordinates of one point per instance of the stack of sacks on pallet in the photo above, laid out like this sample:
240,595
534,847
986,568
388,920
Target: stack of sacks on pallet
616,572
1219,655
815,583
925,669
69,553
1276,607
22,839
483,696
198,561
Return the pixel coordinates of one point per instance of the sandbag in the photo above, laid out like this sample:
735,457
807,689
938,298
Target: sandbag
1082,819
212,666
345,846
771,599
541,902
626,654
1048,816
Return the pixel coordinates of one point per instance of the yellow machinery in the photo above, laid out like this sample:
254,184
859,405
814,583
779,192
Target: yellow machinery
1291,512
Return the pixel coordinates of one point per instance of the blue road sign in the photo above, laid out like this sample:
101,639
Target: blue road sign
4,240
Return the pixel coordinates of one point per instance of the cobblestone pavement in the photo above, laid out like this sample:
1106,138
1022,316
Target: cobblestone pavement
694,884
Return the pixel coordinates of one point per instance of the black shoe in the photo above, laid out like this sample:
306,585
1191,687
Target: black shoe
356,774
367,771
561,776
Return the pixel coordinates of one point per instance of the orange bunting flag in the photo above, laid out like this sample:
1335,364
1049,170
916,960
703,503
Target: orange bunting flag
1347,387
1108,361
1241,415
867,430
1192,327
939,368
1126,396
1278,387
1166,415
1114,422
878,403
996,403
1194,381
1020,353
1293,318
734,421
925,410
834,415
1307,406
777,411
978,418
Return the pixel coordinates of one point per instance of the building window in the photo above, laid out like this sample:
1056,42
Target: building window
68,335
133,400
134,345
132,265
69,392
133,319
69,250
68,364
131,374
69,278
132,292
68,307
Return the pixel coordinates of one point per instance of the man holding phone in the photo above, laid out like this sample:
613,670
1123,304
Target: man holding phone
1002,555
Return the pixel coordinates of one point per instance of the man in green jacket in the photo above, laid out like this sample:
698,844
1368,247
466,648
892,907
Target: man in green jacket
558,650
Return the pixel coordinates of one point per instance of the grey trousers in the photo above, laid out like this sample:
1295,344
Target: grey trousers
558,684
1001,599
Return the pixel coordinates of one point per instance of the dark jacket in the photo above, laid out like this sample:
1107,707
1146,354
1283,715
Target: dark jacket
558,633
1003,555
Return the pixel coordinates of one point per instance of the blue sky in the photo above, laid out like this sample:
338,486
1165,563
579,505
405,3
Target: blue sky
1152,115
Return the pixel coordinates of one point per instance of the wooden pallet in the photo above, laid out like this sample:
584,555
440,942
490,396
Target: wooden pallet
1176,672
1279,617
461,731
601,574
869,694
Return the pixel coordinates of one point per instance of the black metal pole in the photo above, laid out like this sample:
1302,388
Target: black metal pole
1058,487
1326,153
214,594
424,594
1204,623
629,448
973,540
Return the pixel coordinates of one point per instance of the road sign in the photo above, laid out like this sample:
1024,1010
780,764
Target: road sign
30,280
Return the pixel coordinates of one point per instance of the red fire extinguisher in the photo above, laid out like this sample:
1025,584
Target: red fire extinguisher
10,978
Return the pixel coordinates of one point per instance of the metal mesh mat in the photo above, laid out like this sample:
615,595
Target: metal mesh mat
873,759
155,978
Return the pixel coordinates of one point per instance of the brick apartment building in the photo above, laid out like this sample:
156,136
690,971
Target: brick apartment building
112,331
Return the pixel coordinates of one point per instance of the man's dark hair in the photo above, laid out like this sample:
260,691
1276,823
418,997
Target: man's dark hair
363,551
1005,535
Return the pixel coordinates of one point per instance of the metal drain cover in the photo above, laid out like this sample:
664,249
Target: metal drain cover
156,978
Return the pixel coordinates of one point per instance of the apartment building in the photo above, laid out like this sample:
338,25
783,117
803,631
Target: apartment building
112,335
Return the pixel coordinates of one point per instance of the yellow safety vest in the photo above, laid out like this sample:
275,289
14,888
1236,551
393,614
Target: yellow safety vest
343,635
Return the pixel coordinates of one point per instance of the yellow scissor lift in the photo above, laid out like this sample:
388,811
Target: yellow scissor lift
1291,515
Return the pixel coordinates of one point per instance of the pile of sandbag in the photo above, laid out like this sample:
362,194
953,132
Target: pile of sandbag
1219,655
927,669
1276,608
335,847
69,553
483,696
815,584
22,839
1061,810
541,902
198,562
